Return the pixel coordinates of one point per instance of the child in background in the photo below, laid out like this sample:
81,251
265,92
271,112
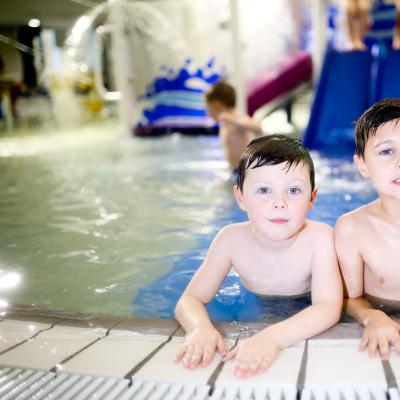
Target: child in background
396,34
237,130
358,21
368,238
277,252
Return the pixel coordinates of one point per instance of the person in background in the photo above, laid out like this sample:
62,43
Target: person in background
396,34
358,18
368,238
359,21
236,130
277,252
8,87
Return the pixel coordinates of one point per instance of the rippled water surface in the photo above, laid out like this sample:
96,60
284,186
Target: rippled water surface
97,222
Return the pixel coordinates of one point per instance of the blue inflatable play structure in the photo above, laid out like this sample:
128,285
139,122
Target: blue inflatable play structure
349,83
341,96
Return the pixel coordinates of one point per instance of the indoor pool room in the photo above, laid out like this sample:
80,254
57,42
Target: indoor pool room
161,235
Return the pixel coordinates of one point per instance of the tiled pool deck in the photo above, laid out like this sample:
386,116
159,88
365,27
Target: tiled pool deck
48,354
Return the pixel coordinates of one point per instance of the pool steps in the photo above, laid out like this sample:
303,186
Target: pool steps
46,354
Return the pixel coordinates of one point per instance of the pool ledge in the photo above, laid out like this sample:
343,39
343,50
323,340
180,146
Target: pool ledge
141,325
113,353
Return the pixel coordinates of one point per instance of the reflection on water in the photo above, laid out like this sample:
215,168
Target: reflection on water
89,218
340,188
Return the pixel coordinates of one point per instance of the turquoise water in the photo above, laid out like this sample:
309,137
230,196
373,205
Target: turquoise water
94,221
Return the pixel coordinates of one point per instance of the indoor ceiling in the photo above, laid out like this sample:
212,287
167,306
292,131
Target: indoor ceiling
59,15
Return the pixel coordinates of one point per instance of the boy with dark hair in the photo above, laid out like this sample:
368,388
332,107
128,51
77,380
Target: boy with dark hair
277,252
368,238
236,129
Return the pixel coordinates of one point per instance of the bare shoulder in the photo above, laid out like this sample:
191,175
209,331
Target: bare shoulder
319,241
319,230
234,231
354,221
245,117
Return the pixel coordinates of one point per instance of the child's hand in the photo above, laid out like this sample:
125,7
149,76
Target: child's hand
254,355
380,331
200,346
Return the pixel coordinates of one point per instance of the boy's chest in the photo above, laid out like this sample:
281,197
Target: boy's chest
381,250
382,265
275,275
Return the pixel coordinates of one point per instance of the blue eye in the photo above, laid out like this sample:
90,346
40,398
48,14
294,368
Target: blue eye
264,190
294,190
386,152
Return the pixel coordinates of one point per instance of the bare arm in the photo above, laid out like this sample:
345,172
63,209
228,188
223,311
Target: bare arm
256,354
243,122
352,268
190,311
327,295
358,308
380,331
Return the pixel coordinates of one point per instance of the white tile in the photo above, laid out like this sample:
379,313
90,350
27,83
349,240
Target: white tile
62,333
115,355
282,373
14,332
50,347
161,367
338,362
394,360
394,394
333,342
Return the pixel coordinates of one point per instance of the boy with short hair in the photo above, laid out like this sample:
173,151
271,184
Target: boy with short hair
237,130
277,252
368,238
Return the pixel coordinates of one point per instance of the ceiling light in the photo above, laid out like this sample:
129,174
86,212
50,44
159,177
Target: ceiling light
34,23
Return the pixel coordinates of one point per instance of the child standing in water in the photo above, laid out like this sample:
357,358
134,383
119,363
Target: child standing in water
368,238
278,251
237,130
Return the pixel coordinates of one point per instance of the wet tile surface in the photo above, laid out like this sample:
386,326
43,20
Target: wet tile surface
106,322
162,367
341,331
81,342
394,361
283,372
41,319
50,347
14,332
338,362
148,325
114,355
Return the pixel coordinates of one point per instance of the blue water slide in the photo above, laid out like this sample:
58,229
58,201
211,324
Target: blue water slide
342,95
388,81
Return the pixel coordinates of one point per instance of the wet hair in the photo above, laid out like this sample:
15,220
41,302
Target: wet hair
366,126
222,92
274,150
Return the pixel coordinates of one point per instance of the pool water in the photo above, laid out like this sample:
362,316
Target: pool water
95,221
